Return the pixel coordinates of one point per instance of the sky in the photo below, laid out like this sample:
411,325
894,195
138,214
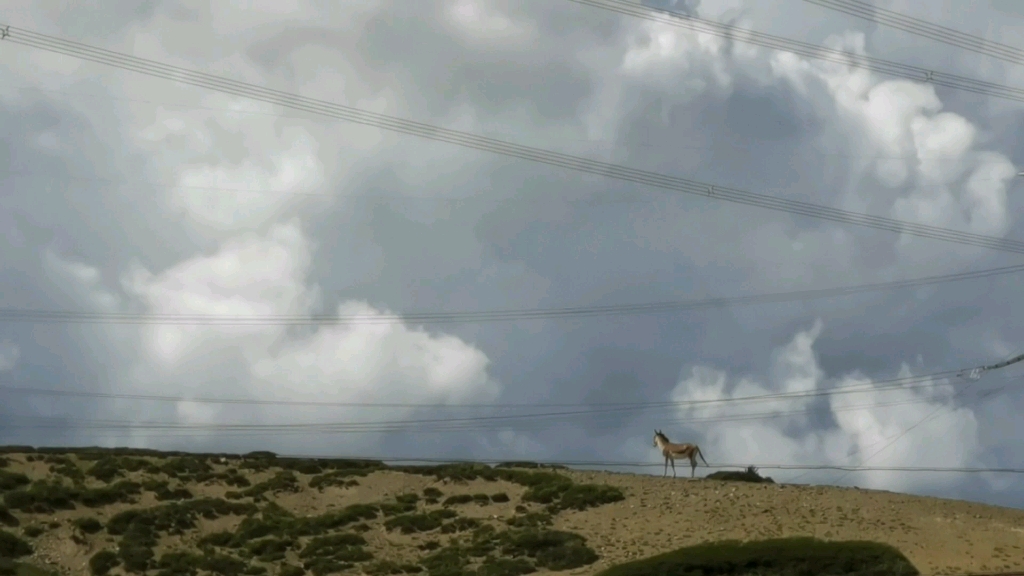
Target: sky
122,193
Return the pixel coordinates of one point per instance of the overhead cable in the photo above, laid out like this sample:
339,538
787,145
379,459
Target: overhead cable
923,28
475,316
156,69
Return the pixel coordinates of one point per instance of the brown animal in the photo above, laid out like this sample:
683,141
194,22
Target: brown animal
670,451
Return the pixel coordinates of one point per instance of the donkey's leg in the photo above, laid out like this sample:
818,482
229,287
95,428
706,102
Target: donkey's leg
673,461
666,467
693,466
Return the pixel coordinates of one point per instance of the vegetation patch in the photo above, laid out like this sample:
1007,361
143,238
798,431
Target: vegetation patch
748,475
343,478
334,553
799,556
413,523
385,567
140,528
530,520
107,467
103,562
8,519
11,546
88,525
12,480
457,499
283,481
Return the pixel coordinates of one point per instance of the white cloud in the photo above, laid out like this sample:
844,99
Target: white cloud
254,275
860,424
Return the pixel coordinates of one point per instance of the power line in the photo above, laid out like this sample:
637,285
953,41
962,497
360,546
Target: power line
490,423
837,56
923,28
905,382
914,157
174,73
569,312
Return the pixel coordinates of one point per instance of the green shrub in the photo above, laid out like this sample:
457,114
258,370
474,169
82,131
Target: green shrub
334,553
457,499
500,498
41,497
551,549
33,531
583,496
269,549
13,547
460,525
748,475
412,523
103,562
8,519
108,467
530,520
342,478
184,467
432,492
290,570
283,481
387,567
505,567
123,491
800,556
4,462
88,525
12,480
482,499
448,561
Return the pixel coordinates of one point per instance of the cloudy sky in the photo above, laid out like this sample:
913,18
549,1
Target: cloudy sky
121,193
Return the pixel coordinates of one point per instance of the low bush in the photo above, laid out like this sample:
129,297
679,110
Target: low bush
386,567
33,531
748,475
500,498
283,481
140,528
551,549
286,569
460,525
88,525
432,492
334,553
412,523
12,480
269,549
530,520
800,556
103,562
583,496
4,462
342,478
457,499
505,567
13,547
8,519
41,497
107,467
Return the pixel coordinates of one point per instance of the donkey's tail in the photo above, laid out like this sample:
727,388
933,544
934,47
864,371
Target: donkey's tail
701,454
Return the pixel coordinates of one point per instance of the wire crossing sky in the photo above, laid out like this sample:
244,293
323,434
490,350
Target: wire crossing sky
924,29
128,62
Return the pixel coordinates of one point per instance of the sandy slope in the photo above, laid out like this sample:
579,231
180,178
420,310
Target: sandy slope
939,536
659,514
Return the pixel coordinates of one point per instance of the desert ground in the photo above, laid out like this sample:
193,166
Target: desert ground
193,514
